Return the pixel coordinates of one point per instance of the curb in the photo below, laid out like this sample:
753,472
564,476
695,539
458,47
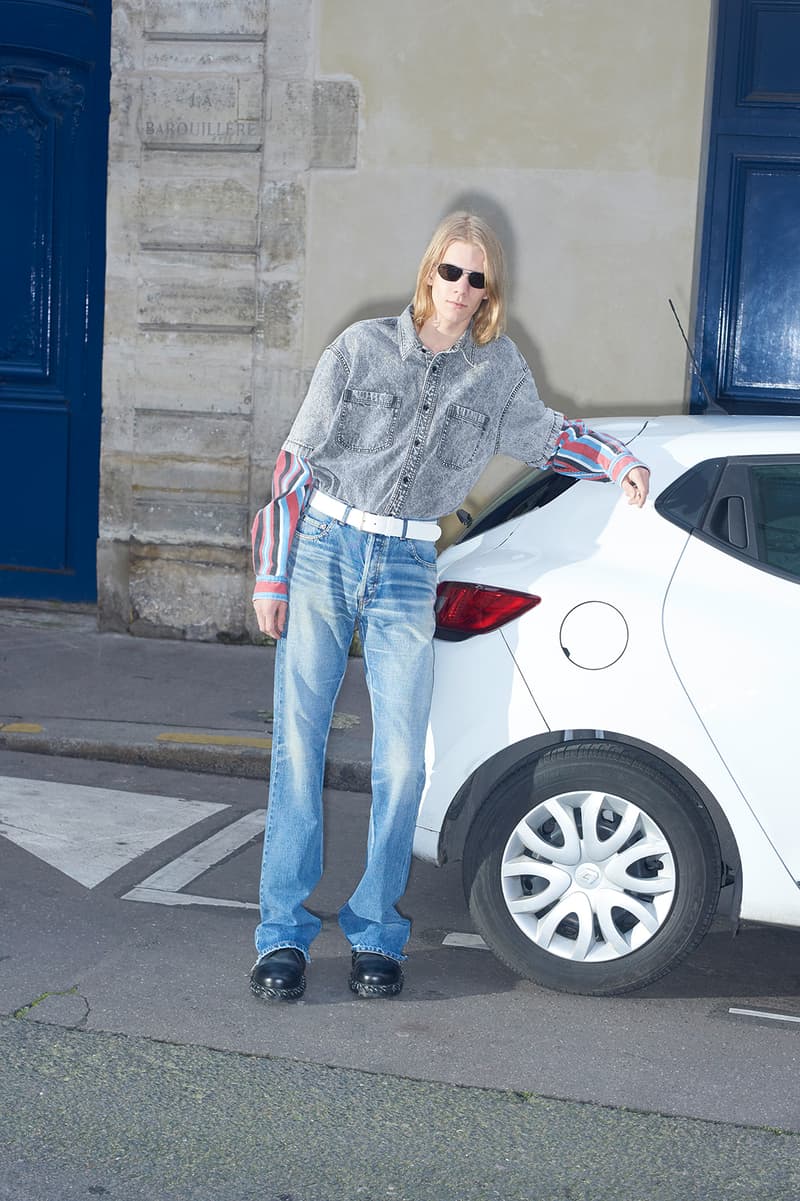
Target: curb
243,762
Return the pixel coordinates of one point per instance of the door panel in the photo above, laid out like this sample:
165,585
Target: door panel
26,233
760,343
765,50
54,66
28,541
748,332
739,663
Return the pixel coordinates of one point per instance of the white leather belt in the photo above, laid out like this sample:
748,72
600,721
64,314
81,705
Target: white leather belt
372,523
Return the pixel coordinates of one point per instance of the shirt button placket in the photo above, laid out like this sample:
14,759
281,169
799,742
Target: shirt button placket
412,463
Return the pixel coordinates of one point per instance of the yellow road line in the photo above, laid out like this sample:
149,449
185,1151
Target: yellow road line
22,727
216,740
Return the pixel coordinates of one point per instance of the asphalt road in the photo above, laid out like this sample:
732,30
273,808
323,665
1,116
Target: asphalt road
129,1118
137,1065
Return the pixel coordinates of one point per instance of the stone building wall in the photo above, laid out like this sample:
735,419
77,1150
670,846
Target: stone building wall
276,168
217,123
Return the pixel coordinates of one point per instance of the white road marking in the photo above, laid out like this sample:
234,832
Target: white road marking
465,940
760,1013
90,833
157,897
162,887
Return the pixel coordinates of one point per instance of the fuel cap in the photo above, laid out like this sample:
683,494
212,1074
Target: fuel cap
594,635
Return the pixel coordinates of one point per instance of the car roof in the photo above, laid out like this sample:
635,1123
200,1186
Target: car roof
690,439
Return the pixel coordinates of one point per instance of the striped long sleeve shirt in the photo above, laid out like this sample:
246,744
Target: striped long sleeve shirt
274,526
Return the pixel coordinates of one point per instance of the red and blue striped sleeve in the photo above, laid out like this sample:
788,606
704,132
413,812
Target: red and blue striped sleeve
275,524
590,454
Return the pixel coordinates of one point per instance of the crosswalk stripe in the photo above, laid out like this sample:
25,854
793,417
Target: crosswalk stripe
163,886
89,833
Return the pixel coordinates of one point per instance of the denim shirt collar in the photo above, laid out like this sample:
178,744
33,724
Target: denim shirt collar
408,339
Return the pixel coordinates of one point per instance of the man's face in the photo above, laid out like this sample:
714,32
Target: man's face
457,302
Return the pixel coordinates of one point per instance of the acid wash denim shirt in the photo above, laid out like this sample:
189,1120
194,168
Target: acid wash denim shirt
393,428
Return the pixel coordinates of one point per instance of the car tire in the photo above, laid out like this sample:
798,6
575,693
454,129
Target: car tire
625,869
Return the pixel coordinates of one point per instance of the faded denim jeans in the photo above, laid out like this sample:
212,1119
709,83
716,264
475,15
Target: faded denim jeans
341,577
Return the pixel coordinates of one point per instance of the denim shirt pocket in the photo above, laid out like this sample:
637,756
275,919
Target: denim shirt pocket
366,420
461,436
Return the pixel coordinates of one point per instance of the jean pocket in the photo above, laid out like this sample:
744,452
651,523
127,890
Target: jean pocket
312,527
461,436
423,553
366,420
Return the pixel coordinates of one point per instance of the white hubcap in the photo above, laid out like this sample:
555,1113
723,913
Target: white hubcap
588,876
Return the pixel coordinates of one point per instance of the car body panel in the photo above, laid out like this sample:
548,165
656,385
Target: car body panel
733,680
589,545
501,712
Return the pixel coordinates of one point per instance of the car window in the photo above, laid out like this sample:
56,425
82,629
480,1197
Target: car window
746,505
776,507
531,492
685,501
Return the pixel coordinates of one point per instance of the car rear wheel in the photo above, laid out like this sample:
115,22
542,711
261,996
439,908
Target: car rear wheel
590,870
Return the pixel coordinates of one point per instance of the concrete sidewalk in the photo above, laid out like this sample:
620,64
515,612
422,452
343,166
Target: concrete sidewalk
66,689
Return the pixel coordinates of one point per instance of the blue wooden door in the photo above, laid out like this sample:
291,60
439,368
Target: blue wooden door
54,88
748,328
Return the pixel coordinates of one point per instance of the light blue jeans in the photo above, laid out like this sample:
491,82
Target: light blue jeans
340,577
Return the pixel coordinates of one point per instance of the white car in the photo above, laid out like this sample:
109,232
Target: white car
611,746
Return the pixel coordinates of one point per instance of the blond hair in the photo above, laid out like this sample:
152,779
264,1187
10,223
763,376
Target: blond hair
489,321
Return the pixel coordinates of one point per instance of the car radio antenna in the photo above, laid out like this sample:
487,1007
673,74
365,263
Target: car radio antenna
691,356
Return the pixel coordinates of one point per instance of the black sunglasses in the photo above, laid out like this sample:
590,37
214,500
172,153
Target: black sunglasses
451,273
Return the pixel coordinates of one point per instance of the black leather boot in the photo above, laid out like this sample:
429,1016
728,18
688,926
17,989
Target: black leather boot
374,975
280,975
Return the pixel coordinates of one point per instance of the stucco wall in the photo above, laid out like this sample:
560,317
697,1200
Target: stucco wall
576,125
276,168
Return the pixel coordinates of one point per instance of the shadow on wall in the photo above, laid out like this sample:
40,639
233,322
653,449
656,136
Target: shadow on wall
487,207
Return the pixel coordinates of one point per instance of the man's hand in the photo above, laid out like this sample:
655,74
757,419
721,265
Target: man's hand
271,616
636,485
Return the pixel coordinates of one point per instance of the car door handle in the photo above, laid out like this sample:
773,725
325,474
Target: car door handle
737,522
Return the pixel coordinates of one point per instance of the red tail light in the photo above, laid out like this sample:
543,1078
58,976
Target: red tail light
466,609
